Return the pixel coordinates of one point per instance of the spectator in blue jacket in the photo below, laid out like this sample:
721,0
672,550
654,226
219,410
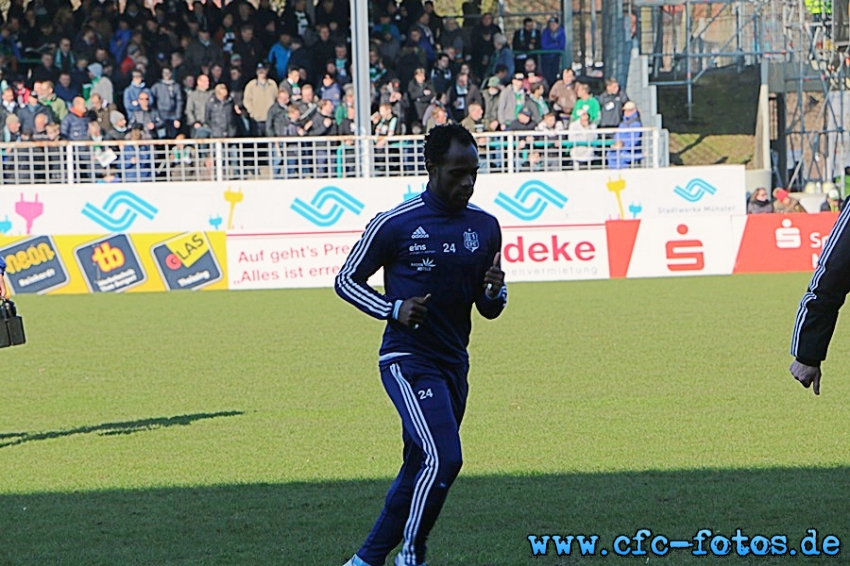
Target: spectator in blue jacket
75,126
279,56
553,39
133,90
627,148
502,56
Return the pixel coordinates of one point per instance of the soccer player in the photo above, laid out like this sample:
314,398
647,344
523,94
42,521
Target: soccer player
818,311
440,255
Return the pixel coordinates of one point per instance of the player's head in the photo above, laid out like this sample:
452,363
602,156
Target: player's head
451,157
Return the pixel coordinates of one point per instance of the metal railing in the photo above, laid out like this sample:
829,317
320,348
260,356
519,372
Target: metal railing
319,157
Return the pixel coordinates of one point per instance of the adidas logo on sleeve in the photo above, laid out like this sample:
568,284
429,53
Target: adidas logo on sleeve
419,233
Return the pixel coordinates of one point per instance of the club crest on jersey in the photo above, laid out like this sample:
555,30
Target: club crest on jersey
470,240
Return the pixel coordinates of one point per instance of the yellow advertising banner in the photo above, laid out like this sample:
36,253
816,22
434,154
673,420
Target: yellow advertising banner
115,263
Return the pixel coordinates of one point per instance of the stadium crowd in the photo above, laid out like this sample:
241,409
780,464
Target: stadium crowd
759,202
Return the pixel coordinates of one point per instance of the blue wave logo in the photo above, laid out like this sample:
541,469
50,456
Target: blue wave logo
320,213
130,205
695,190
531,200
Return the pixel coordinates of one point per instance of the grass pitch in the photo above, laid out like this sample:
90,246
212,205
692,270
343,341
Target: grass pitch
252,428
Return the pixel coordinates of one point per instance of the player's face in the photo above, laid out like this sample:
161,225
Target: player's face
455,177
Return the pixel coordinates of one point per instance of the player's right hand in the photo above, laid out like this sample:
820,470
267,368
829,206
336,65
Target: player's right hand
807,375
413,311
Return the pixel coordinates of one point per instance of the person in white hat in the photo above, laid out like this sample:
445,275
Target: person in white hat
833,202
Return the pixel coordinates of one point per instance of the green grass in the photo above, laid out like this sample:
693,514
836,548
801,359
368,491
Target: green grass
252,428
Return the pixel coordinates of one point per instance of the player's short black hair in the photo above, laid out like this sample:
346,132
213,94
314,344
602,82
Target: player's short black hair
439,139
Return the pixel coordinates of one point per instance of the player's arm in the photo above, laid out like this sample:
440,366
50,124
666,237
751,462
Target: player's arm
818,311
370,253
494,293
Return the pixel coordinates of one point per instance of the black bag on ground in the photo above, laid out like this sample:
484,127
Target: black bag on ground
11,325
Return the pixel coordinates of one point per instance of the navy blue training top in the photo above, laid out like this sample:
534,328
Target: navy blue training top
425,247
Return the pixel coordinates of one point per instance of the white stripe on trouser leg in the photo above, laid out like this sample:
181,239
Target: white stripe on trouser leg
819,272
432,465
426,481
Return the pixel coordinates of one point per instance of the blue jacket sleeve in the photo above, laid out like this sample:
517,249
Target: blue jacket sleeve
370,253
492,308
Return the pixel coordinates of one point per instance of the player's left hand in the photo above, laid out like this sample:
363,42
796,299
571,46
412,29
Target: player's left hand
807,375
494,279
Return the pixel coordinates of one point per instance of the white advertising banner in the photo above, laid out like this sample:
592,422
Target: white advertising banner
293,260
526,199
555,253
670,247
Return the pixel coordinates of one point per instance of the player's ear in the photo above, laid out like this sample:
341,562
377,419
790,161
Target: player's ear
430,167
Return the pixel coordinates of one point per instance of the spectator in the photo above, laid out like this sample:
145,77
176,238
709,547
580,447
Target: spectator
389,50
333,13
39,132
784,204
586,102
226,35
248,47
462,94
526,38
75,126
441,74
146,117
322,51
12,129
299,57
279,56
833,202
552,39
523,122
28,112
292,84
118,131
439,117
502,54
178,67
100,112
120,39
330,89
202,52
384,124
278,116
295,19
64,59
627,144
133,90
435,21
420,92
307,104
168,98
347,105
582,134
221,113
611,102
8,104
759,202
47,96
46,71
377,72
563,93
532,76
550,125
452,36
417,39
65,91
136,159
482,49
537,103
322,123
196,108
100,84
260,94
491,103
511,101
474,121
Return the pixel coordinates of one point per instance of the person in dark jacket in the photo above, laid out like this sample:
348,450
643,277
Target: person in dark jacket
759,202
75,126
611,104
221,114
833,202
168,97
147,117
817,314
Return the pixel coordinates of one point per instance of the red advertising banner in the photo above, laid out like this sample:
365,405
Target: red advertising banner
776,243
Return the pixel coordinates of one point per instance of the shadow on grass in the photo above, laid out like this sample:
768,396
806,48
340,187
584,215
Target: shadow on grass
110,429
486,521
